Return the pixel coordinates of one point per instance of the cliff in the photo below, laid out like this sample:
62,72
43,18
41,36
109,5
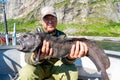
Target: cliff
68,11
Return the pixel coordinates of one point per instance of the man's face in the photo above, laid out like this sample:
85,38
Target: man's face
49,23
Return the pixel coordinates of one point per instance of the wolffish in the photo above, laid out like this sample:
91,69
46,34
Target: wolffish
31,42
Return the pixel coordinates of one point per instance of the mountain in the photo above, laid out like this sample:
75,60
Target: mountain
68,11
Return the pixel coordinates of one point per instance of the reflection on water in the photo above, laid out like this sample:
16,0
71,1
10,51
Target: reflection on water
109,45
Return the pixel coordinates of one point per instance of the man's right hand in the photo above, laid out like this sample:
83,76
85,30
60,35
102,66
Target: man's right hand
46,50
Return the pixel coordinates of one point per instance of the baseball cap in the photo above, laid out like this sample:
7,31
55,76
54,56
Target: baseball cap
48,10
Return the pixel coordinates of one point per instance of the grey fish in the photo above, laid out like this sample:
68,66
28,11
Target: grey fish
31,42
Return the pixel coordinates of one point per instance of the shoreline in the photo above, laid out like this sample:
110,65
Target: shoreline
98,38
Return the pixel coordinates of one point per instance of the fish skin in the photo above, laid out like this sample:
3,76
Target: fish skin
99,58
31,42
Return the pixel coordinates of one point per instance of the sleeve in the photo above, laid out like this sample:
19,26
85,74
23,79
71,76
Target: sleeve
29,59
66,60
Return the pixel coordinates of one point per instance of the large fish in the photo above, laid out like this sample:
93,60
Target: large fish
31,42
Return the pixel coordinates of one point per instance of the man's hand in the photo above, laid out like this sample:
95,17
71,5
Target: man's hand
45,51
78,50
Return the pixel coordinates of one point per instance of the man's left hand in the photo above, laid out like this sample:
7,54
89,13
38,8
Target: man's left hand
78,50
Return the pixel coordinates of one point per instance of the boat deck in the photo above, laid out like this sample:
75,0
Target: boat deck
11,60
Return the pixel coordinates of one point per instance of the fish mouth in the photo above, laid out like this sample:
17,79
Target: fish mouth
20,46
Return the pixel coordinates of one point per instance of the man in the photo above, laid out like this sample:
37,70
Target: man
53,68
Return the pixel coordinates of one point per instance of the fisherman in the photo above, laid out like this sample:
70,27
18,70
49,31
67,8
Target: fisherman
53,68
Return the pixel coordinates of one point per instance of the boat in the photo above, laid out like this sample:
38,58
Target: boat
89,70
12,60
